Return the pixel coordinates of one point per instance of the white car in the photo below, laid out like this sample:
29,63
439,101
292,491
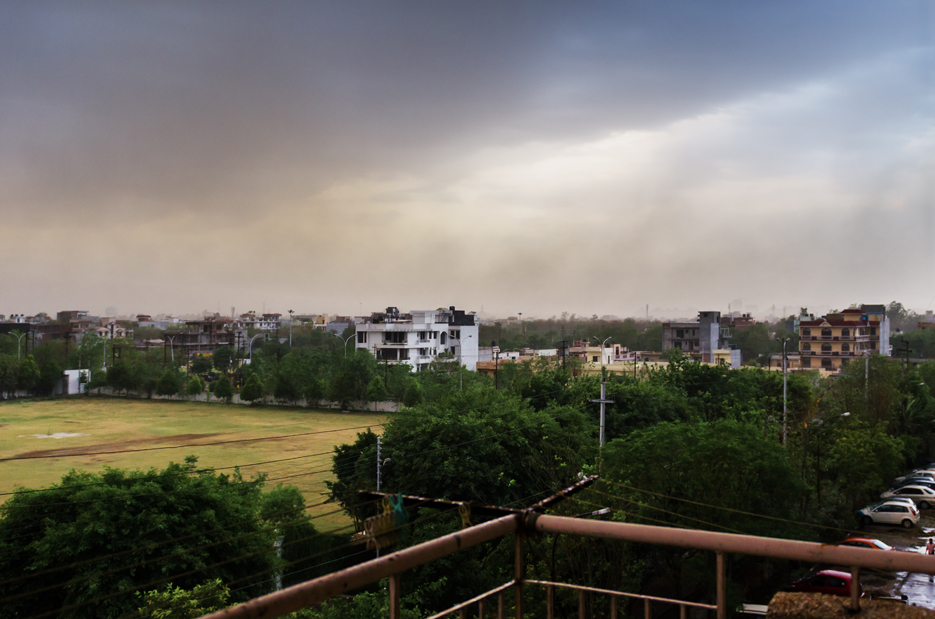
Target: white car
923,497
889,512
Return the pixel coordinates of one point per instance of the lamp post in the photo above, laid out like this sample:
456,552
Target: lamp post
346,340
18,339
603,399
784,340
171,349
290,328
251,345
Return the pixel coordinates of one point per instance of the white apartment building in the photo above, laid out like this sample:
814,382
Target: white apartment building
418,337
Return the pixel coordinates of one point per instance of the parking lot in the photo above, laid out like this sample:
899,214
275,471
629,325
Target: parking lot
918,589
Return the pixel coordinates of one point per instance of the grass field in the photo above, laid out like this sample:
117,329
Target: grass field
115,424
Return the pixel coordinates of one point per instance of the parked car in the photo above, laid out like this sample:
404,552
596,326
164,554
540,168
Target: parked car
869,542
915,481
919,473
831,582
923,497
889,512
898,499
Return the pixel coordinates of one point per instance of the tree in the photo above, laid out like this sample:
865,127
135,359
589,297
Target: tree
222,358
413,395
120,530
170,383
253,390
28,374
201,364
9,374
49,376
223,389
315,391
177,603
195,386
376,392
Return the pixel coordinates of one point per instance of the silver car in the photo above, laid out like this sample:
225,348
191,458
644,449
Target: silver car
889,512
924,497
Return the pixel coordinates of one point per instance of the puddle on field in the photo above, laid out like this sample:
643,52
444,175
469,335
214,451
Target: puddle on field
55,435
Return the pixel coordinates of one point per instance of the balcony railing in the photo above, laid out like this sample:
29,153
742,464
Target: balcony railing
393,565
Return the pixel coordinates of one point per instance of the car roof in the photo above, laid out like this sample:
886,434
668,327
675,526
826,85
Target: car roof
861,539
915,486
838,573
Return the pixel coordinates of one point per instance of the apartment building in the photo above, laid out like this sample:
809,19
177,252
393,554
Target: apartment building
418,337
834,339
700,338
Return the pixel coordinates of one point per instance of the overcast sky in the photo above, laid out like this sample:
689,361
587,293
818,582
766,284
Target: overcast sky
529,157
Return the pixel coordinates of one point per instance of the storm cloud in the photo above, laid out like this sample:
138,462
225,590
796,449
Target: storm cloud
535,157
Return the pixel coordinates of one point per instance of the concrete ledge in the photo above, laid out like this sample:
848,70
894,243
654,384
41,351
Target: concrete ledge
820,606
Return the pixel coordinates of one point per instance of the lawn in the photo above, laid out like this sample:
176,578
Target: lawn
106,424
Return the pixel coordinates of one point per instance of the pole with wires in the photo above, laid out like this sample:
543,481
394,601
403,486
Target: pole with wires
379,445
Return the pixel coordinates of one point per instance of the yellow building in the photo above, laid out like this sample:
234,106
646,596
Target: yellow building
831,341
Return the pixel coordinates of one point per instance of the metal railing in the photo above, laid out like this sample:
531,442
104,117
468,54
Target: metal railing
393,565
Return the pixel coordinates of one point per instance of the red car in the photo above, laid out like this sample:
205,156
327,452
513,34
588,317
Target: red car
830,582
865,542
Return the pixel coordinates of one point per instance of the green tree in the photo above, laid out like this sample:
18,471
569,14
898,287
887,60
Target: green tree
413,395
49,376
223,389
9,375
201,364
177,603
28,374
120,530
170,383
376,392
314,391
195,386
253,390
222,358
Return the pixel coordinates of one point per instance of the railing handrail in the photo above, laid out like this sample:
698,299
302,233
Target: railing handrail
318,590
638,596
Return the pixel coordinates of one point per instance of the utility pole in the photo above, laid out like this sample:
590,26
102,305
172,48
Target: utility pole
784,340
290,328
867,375
379,446
906,350
496,371
603,401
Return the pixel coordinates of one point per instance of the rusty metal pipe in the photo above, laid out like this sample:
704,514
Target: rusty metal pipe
741,544
316,591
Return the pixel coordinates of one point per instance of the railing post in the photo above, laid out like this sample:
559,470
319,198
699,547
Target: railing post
613,607
394,596
855,588
500,611
480,610
721,586
462,614
550,602
647,609
581,610
683,611
518,570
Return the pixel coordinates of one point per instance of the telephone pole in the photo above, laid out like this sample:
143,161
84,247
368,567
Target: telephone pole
379,446
784,340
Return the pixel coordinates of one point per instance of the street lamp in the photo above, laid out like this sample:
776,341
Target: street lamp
171,349
602,352
251,345
346,340
603,399
18,338
290,328
784,340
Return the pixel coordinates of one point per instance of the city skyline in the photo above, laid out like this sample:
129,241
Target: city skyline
170,158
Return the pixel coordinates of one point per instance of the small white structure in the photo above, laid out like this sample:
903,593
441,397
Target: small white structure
418,337
77,381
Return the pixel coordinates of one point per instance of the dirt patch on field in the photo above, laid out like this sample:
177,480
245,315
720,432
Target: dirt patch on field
140,443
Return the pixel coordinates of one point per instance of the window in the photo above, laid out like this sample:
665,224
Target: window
806,331
873,345
679,333
873,330
826,332
845,347
394,337
834,581
826,363
806,346
444,338
807,362
845,332
826,348
361,337
594,359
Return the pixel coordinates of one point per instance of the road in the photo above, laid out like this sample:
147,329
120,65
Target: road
919,589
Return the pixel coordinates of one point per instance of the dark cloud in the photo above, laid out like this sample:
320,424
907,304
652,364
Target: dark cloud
209,124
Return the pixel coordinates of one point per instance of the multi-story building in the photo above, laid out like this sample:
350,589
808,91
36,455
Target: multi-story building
265,322
418,337
204,336
699,338
832,340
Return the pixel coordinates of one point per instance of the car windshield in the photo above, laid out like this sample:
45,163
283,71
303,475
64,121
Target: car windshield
880,544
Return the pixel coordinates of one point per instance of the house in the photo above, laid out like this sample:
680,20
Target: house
265,322
204,336
420,336
699,338
830,341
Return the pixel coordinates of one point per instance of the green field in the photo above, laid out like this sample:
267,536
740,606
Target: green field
115,424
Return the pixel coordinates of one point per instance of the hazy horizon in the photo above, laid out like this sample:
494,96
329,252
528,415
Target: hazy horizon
164,157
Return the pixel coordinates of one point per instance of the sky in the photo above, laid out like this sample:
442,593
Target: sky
536,157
